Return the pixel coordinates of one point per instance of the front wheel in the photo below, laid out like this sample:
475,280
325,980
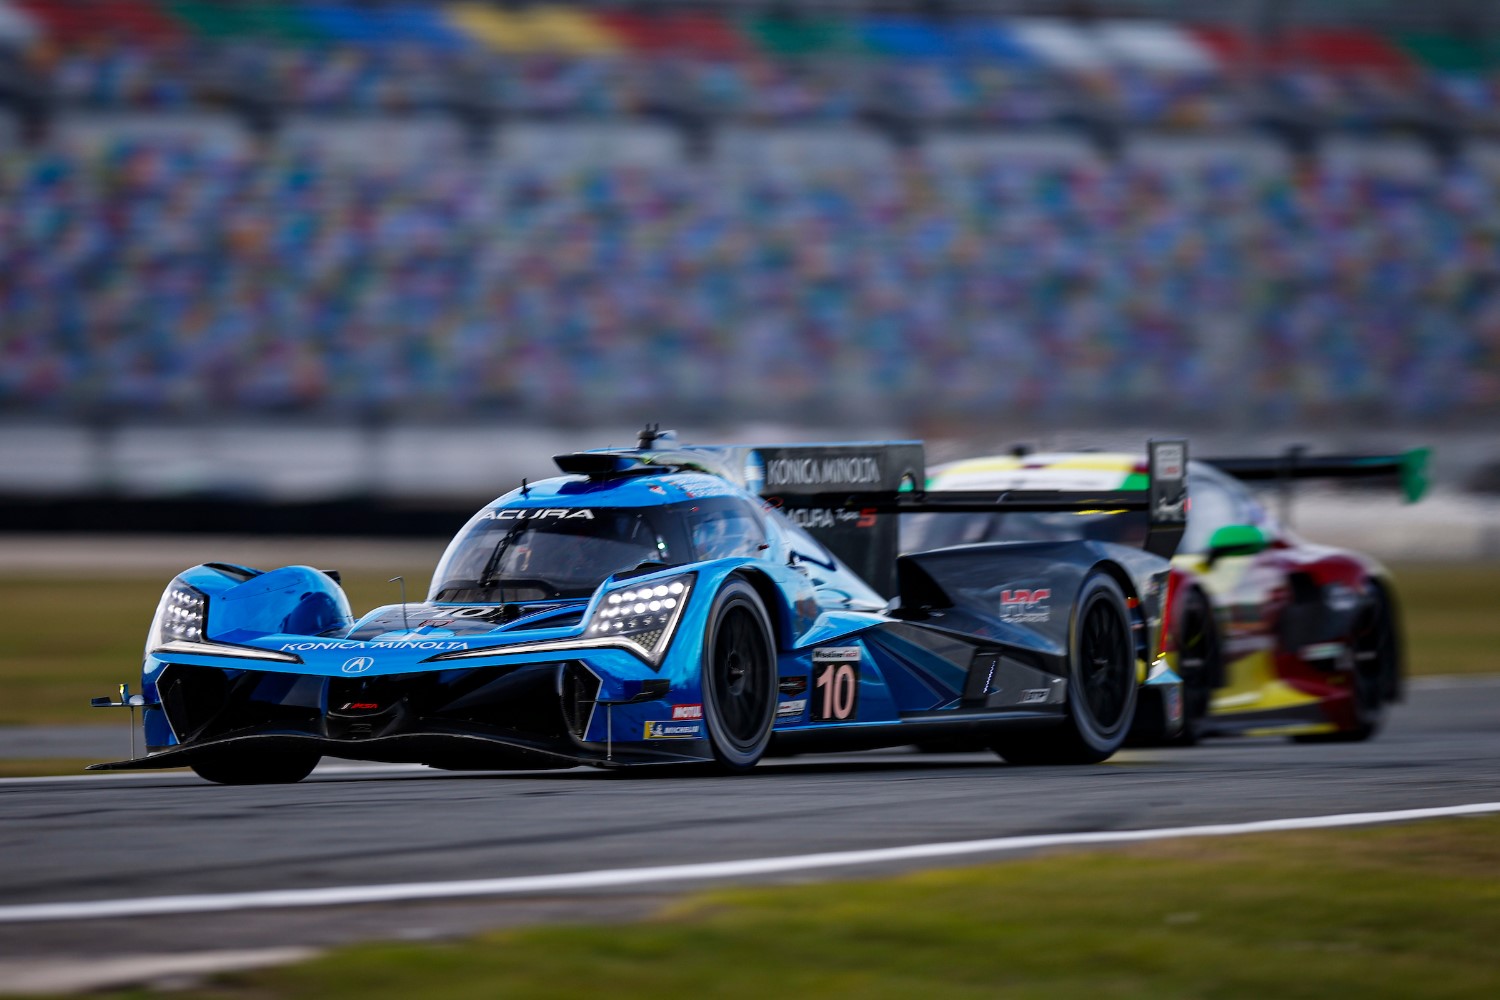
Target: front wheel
1102,685
265,769
1376,677
739,678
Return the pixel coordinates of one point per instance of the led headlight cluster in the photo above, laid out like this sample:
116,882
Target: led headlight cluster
183,613
638,610
180,623
640,617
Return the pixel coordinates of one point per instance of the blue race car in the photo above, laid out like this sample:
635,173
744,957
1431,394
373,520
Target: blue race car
669,604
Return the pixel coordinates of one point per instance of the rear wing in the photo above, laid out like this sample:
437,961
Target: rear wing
1407,469
825,512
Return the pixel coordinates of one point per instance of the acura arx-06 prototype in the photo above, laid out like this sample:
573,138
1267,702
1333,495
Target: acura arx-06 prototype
665,604
1270,633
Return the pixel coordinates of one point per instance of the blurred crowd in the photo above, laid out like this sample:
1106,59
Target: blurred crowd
171,275
937,92
768,64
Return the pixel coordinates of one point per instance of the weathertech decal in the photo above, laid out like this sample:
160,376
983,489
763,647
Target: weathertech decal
1025,605
673,730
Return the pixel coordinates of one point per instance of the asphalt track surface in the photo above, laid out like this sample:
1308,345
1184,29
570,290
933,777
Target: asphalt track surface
123,837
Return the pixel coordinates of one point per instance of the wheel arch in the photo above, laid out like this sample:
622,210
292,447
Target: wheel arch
775,603
1134,607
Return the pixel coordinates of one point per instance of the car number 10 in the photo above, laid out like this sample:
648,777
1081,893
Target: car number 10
837,691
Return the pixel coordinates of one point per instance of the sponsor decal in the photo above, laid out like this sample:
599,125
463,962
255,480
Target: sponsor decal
359,706
792,685
835,683
1033,696
674,730
358,664
791,708
420,644
838,470
680,712
1170,460
1340,597
530,514
755,472
822,517
1026,606
1322,651
490,612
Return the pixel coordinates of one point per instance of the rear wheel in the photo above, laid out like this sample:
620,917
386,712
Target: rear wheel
1101,685
267,769
739,678
1198,664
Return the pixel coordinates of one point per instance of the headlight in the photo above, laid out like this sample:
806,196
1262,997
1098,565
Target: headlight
639,616
182,617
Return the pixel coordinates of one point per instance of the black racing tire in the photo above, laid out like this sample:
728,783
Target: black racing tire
267,769
1102,685
1377,673
1198,653
739,678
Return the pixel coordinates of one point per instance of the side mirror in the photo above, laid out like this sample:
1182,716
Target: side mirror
1237,540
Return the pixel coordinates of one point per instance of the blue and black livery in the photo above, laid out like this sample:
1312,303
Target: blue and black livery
667,604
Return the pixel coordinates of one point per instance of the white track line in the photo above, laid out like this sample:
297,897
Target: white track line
358,770
614,878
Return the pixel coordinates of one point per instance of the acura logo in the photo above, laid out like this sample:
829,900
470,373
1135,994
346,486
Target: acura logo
358,664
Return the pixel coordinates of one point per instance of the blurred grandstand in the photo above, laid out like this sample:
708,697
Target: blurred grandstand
1246,214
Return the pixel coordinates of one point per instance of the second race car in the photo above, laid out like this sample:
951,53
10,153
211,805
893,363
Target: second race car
1271,634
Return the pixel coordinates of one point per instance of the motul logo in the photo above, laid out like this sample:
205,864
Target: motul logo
1024,596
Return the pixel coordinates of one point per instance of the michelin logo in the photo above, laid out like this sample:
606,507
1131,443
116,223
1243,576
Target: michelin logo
674,730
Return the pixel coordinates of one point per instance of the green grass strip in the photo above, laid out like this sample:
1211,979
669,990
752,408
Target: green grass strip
1400,911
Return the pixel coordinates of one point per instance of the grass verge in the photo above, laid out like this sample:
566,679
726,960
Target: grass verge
1389,912
69,643
48,767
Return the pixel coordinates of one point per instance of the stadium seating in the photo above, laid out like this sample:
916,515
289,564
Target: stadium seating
559,59
178,265
568,212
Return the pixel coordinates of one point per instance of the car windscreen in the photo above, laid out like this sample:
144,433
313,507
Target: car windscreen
535,554
923,532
